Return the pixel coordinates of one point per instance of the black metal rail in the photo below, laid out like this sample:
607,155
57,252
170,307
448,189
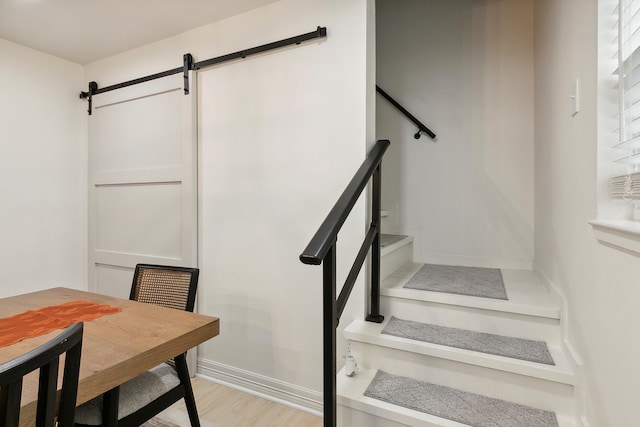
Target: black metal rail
421,127
322,250
188,64
318,33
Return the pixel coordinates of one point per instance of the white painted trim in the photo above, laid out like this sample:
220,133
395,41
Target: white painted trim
262,386
505,306
166,175
619,234
559,295
385,250
571,352
141,90
469,261
576,359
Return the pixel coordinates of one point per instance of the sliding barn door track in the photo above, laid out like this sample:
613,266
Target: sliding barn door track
188,64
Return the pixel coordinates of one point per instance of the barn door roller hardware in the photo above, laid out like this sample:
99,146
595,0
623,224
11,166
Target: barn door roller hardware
188,64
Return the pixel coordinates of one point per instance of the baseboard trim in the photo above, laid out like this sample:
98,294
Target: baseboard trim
576,359
262,386
564,315
574,356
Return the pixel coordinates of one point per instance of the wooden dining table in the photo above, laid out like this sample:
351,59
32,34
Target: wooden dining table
116,347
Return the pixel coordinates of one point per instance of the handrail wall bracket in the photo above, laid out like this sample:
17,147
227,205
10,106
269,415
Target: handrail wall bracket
421,127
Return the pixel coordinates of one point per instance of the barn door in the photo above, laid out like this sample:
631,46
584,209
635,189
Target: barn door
142,181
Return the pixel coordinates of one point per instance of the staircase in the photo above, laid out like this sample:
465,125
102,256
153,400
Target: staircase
531,312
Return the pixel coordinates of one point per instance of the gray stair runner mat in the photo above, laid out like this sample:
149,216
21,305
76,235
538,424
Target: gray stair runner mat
499,345
456,405
472,281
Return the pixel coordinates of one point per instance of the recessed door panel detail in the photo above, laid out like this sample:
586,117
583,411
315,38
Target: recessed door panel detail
142,182
140,219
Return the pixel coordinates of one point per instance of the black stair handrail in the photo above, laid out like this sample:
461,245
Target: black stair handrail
421,127
322,250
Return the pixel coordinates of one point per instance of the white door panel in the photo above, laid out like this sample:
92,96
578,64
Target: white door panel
119,279
142,181
140,219
128,146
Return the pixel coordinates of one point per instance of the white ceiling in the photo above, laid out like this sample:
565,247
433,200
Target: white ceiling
83,31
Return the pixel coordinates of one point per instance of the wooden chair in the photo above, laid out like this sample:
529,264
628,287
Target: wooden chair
140,399
46,358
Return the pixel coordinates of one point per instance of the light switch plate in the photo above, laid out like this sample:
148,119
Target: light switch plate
575,98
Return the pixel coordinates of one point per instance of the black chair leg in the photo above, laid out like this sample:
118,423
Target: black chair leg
189,398
110,407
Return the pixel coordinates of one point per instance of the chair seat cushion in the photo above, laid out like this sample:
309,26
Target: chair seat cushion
134,394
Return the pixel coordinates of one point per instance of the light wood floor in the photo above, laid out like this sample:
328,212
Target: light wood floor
228,407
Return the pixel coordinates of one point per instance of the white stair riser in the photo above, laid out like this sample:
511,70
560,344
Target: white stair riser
391,261
349,417
480,320
516,388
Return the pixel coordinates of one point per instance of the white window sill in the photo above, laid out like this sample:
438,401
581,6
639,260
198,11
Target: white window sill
618,234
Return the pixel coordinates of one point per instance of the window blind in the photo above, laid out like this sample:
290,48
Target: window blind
627,28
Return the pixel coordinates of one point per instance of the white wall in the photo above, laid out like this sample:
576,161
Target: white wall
465,69
600,283
43,172
280,136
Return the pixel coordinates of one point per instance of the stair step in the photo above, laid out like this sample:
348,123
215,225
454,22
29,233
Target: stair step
479,319
354,403
389,242
369,333
455,279
456,405
395,251
531,312
526,293
499,345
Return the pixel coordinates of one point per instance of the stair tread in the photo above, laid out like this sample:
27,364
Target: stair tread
351,393
499,345
392,242
526,293
454,404
371,333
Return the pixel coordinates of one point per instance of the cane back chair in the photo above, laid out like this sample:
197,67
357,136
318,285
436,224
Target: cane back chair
145,396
